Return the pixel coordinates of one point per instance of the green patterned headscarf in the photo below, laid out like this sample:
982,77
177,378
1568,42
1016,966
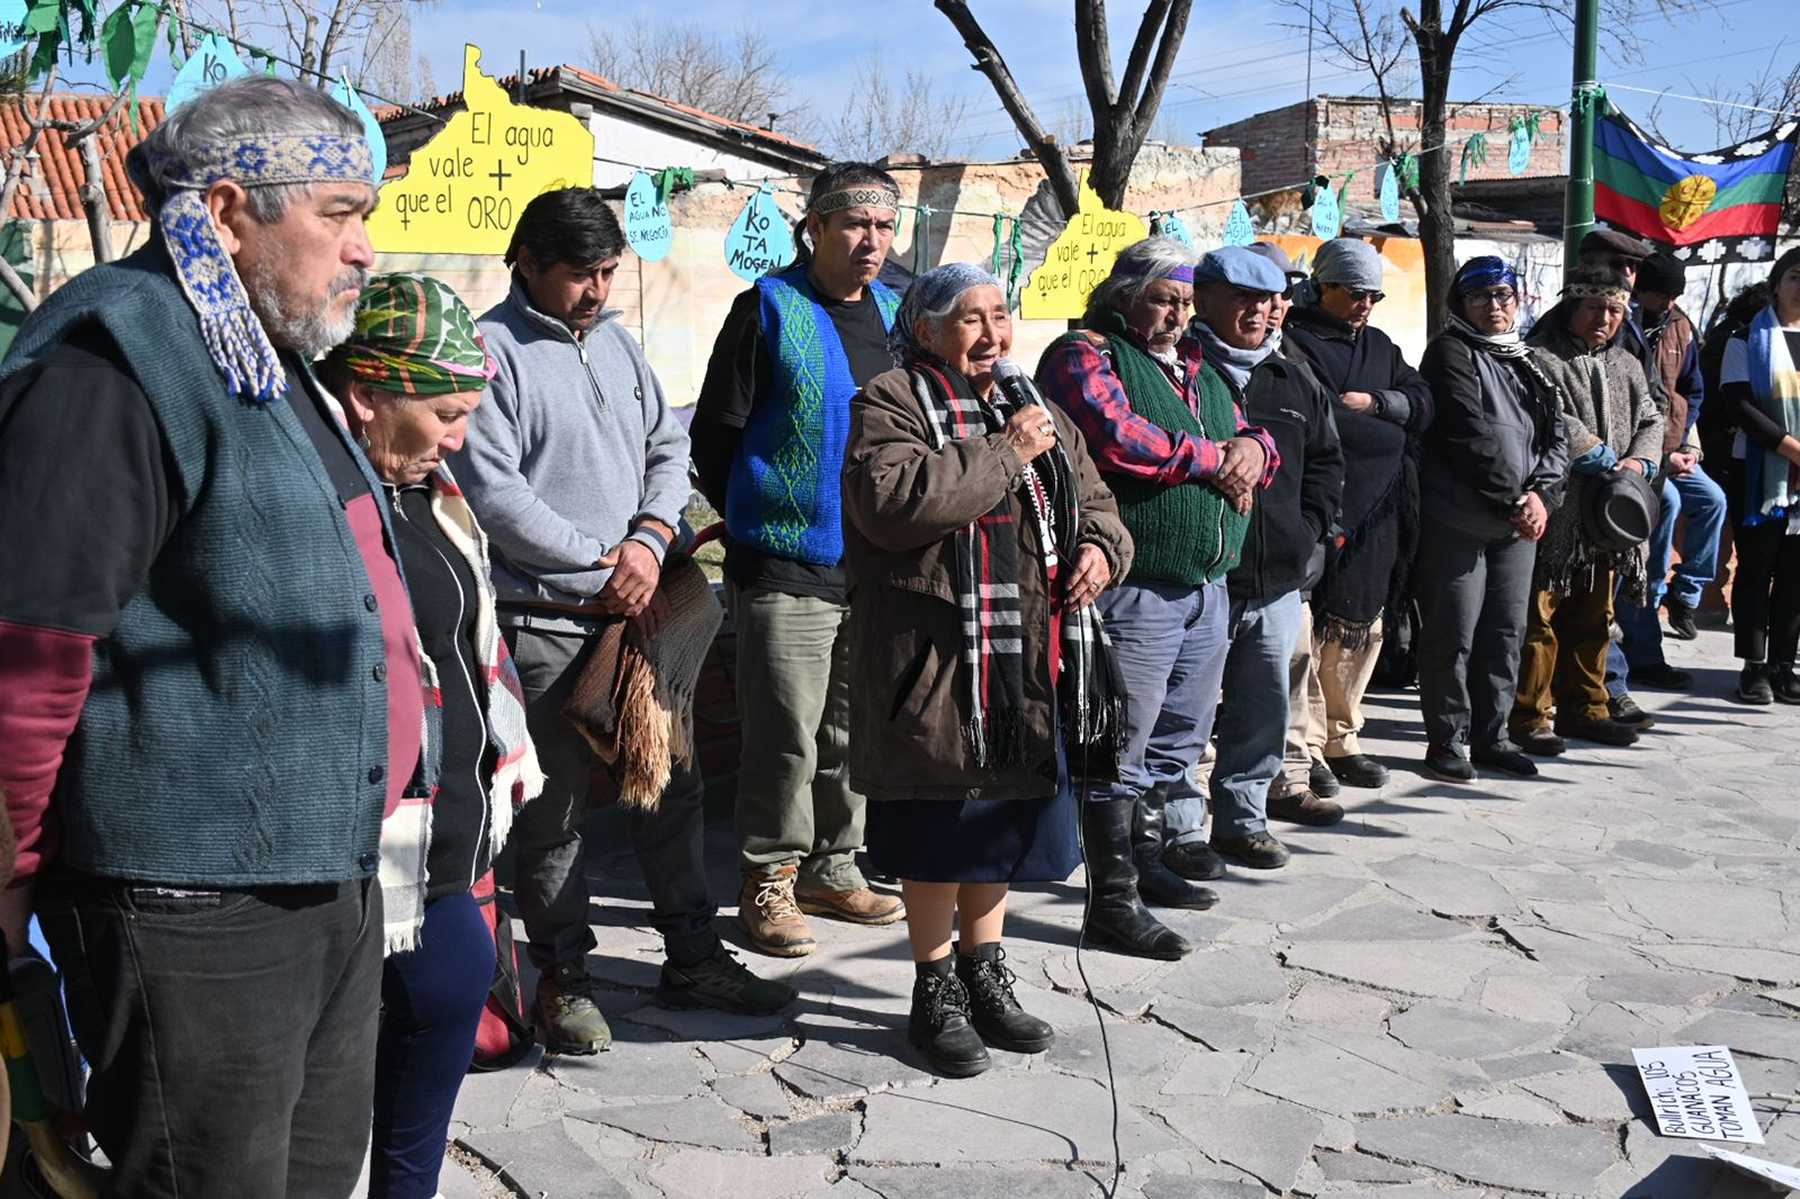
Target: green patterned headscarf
414,335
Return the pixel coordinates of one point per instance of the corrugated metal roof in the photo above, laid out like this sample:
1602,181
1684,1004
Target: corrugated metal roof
52,190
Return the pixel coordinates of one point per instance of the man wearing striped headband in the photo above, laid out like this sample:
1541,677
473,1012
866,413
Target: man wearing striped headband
196,573
768,442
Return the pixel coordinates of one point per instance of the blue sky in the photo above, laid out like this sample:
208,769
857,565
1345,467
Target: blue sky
1237,59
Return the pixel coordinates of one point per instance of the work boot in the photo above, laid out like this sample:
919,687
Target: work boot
993,1008
1784,682
1540,741
1156,882
939,1022
1321,781
1305,806
721,982
1193,860
771,918
1507,759
1682,625
1116,915
1358,770
1625,710
1258,850
1754,686
568,1018
1448,765
861,906
1602,729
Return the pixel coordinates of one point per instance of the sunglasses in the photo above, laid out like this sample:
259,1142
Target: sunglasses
1359,294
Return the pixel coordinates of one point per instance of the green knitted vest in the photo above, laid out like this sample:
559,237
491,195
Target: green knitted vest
1186,534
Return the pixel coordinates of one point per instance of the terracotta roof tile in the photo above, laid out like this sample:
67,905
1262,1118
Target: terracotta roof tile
53,190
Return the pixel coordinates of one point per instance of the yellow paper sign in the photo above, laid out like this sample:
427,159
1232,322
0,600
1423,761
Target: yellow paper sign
1079,259
464,188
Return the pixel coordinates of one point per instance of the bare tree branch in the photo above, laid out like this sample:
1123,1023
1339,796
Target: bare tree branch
1141,46
738,77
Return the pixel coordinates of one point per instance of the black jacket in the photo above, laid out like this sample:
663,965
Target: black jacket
1292,516
1497,434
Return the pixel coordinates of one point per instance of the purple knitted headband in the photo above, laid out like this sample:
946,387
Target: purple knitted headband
1181,274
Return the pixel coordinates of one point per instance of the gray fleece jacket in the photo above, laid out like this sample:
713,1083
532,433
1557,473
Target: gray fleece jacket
573,443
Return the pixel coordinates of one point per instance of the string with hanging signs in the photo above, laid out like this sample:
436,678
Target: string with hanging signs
760,240
647,225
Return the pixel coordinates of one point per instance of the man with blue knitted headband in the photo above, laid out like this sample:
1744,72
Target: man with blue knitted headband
209,687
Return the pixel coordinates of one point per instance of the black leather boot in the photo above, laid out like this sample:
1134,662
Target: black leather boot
1117,917
993,1008
939,1025
1156,882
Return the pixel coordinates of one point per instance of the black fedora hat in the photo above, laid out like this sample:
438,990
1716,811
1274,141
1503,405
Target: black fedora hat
1619,511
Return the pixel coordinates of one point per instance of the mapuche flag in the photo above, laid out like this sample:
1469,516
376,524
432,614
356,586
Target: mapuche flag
1706,208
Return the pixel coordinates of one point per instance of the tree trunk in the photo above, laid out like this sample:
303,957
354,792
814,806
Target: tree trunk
93,199
1437,226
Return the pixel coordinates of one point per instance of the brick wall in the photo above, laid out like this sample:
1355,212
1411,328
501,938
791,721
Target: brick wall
1336,135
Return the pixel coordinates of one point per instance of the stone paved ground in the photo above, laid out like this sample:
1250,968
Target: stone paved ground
1437,997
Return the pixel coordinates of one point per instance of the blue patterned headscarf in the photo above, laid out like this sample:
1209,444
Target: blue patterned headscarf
175,190
934,291
1488,270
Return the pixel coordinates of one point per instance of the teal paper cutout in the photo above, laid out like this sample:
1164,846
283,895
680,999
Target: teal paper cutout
212,63
1238,229
1518,151
1390,193
760,240
647,224
1327,216
1173,226
346,95
13,35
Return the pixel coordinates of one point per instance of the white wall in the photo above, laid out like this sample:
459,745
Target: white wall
616,137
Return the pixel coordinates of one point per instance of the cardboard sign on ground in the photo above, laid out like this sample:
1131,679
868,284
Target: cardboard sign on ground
1696,1091
1756,1167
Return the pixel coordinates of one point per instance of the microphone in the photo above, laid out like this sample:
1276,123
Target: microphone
1011,378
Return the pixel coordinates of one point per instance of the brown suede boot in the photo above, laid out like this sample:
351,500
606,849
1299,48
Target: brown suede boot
770,917
861,906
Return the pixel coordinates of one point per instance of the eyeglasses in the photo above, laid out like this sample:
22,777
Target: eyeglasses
1499,297
1359,294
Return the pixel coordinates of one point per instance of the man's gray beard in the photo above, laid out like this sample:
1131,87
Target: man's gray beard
308,334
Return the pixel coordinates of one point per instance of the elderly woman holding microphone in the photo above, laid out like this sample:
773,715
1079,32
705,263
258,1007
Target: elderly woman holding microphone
977,537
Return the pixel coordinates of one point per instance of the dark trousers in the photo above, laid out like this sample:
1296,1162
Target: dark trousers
1765,599
431,1002
550,877
1474,598
231,1033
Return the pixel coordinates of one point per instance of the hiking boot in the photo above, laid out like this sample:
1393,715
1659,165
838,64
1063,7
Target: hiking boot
1304,807
1506,759
1682,625
1358,770
1448,765
993,1008
1663,678
1540,741
1625,710
1754,686
861,906
939,1022
721,982
1194,861
1321,781
1258,850
568,1018
1785,683
772,919
1601,729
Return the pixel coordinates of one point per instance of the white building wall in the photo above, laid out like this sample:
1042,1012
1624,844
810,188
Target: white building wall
616,137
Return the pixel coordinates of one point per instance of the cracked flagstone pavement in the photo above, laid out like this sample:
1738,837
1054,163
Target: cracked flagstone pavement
1437,997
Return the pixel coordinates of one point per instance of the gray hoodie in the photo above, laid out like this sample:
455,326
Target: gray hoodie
573,442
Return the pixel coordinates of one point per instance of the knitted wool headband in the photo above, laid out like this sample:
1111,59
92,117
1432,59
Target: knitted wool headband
233,333
1181,274
1597,291
855,197
415,336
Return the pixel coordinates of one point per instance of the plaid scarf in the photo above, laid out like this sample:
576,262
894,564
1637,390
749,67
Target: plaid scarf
406,831
985,562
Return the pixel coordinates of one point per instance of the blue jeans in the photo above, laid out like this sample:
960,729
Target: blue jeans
1169,643
431,1003
1702,502
1252,723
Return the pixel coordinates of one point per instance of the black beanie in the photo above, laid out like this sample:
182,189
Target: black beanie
1783,265
1664,273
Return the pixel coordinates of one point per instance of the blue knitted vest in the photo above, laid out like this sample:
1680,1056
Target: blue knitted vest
237,715
783,495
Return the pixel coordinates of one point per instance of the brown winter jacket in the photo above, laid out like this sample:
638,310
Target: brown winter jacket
1670,349
903,502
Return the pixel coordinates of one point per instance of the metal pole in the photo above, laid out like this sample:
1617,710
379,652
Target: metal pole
1578,201
1309,33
